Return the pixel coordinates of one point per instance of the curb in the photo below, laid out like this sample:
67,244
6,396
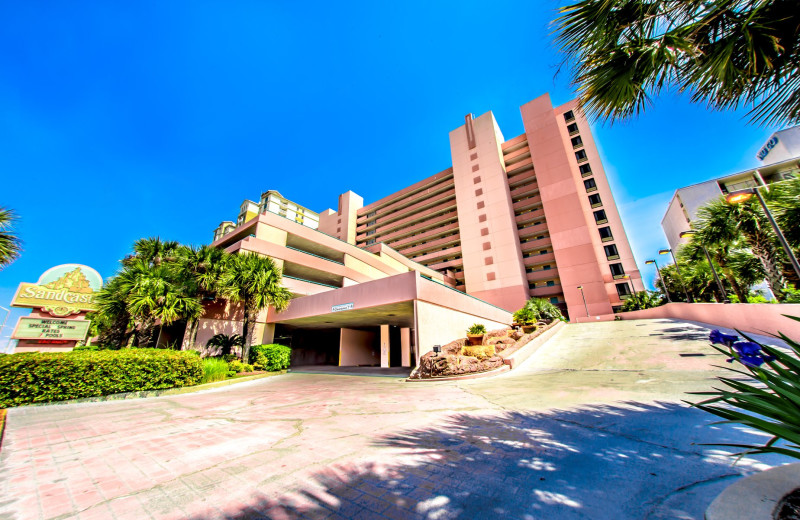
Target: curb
755,497
518,357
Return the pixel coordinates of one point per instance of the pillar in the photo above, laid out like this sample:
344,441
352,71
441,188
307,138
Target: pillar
384,346
405,346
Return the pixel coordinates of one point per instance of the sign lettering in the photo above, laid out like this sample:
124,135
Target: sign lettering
342,307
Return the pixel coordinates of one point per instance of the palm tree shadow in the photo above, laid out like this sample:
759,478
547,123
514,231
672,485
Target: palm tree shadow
629,460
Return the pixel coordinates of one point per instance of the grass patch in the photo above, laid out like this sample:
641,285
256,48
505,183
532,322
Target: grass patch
214,370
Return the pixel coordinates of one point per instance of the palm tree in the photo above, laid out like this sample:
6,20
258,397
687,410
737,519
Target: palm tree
254,281
10,244
725,53
226,343
112,319
154,251
204,266
721,223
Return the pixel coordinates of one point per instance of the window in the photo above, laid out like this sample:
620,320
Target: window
611,252
371,214
600,216
569,116
623,290
551,283
545,268
554,299
543,252
572,129
580,155
605,234
370,232
586,170
595,200
370,241
617,270
577,141
590,185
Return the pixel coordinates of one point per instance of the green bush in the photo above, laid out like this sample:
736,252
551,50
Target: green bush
236,366
476,329
272,357
214,369
42,377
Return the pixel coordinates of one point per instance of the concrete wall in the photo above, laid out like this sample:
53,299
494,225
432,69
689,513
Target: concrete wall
438,325
758,318
358,347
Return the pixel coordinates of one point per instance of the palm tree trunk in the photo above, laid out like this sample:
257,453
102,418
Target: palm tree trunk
193,325
766,253
246,334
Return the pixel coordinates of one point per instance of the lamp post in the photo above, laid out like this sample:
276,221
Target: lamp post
742,195
8,311
677,270
580,288
725,299
666,291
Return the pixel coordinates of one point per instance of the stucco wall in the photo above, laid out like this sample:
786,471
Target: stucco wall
439,325
358,347
758,318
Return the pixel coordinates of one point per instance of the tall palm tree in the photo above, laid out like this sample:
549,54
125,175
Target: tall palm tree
112,318
254,281
725,53
721,223
10,244
154,251
204,266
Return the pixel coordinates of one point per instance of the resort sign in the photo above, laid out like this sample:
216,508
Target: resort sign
35,328
342,307
61,291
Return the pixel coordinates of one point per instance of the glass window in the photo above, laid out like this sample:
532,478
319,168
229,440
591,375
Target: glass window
617,270
611,250
623,289
595,199
586,169
572,128
569,116
577,141
554,299
545,267
605,232
599,215
550,283
580,154
589,184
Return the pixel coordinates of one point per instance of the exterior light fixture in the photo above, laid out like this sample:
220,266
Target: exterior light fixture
684,234
742,195
647,262
586,307
678,270
437,349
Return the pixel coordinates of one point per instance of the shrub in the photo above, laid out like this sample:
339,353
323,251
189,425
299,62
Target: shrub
272,357
476,329
478,351
642,300
227,344
42,377
236,366
525,315
214,369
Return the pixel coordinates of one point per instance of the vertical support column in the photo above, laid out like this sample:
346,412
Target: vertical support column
405,347
384,346
269,334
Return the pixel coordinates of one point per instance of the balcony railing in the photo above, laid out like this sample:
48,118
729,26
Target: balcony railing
591,189
601,221
583,160
575,132
612,257
606,239
597,204
619,276
587,174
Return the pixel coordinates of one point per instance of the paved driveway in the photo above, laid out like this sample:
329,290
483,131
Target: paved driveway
590,427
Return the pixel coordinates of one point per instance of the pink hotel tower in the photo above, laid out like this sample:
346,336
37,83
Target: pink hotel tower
380,284
529,216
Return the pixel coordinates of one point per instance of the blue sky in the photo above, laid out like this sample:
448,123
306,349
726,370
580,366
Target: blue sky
158,118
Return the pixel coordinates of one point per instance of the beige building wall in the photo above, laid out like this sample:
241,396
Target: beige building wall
358,347
438,325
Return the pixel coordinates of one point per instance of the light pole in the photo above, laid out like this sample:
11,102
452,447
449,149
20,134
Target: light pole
677,270
725,299
666,291
742,195
8,311
580,288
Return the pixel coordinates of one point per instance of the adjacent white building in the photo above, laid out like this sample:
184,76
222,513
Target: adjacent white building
780,157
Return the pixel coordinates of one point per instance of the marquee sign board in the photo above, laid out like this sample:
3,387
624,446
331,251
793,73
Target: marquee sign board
62,290
45,329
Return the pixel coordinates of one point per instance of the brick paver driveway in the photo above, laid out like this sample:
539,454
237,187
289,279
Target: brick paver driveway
590,427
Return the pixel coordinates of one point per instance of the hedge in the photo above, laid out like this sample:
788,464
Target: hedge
272,357
42,377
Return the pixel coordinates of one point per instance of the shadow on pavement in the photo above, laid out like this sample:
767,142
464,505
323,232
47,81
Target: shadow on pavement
629,460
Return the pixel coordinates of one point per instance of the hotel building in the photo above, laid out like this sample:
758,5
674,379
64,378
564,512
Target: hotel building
780,157
531,216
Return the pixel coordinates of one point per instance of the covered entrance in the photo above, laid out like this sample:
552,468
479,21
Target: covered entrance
381,336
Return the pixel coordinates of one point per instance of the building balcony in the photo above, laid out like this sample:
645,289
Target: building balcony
546,290
582,160
597,204
612,257
601,221
576,146
574,132
607,239
619,276
589,190
587,174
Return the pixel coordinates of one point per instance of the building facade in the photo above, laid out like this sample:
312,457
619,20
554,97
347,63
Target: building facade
780,157
532,216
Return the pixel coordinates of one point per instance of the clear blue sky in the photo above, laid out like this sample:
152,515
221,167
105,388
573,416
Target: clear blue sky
158,118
